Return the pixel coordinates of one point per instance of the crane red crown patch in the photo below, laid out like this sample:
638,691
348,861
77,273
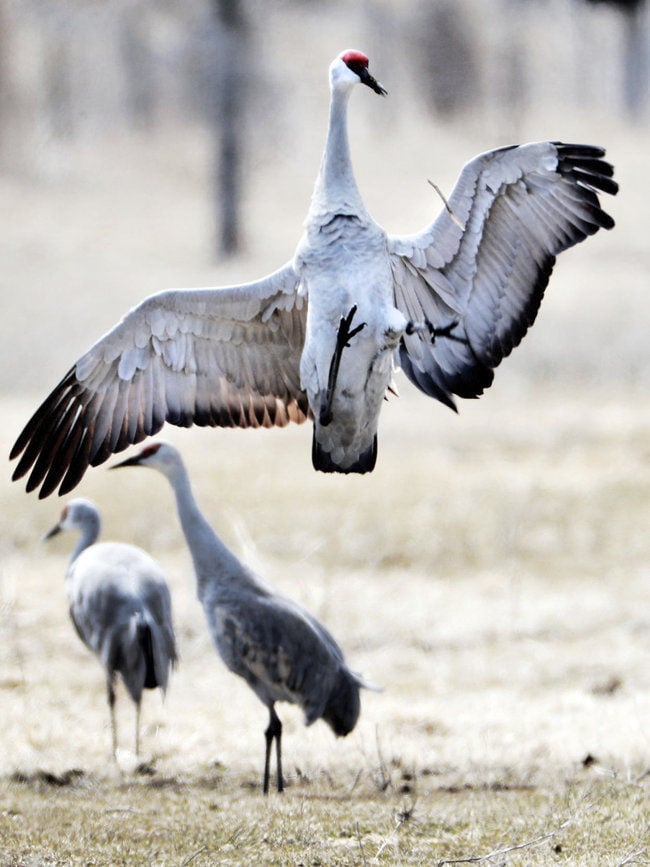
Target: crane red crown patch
149,450
354,57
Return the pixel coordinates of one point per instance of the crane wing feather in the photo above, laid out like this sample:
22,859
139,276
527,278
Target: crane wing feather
226,357
486,260
283,652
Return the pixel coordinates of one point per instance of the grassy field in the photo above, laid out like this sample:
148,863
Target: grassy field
492,574
494,583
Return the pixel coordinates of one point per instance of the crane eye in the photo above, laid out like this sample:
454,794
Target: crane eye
356,66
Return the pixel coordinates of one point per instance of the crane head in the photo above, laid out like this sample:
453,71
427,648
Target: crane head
76,515
351,67
141,458
159,455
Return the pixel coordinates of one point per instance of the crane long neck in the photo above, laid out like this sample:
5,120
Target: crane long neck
336,184
213,561
90,530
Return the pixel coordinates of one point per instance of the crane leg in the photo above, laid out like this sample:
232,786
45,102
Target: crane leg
137,730
278,756
343,336
273,733
110,684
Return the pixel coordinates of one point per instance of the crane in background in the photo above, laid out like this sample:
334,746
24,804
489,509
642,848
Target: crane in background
121,608
280,650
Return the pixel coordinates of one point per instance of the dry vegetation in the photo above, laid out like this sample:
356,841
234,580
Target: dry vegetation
492,574
494,583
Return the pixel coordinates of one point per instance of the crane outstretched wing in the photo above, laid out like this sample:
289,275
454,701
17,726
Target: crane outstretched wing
480,270
226,357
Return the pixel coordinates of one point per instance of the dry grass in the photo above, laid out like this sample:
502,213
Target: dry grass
494,583
173,823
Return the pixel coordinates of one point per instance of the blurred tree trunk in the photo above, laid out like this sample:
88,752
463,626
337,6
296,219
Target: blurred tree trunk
233,64
136,56
635,53
58,88
514,72
635,60
448,57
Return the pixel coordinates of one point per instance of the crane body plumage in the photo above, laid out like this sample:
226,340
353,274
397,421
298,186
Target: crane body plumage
120,606
282,652
321,337
342,262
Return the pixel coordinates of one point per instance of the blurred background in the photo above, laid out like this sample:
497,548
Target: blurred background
147,143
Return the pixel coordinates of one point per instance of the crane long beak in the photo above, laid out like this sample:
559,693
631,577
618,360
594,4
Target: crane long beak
56,529
129,462
367,79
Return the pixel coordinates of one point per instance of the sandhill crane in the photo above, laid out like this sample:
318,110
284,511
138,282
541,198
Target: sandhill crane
121,608
320,336
281,651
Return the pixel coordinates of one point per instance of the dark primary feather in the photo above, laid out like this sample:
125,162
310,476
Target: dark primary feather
200,367
145,640
129,652
67,433
485,266
322,460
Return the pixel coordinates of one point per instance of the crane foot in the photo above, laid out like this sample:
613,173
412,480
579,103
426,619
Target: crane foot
343,337
435,331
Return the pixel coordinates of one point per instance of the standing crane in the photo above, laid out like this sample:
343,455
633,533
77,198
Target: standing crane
321,336
281,651
121,608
